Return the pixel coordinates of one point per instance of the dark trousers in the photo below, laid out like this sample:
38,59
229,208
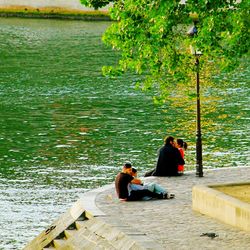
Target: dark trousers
136,195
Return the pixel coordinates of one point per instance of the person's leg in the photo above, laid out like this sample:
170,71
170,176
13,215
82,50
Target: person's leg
152,194
136,187
149,187
136,195
154,187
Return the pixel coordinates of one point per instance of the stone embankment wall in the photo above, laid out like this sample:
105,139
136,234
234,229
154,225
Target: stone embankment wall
69,9
79,229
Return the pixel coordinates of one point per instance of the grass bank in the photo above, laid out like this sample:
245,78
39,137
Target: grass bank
54,12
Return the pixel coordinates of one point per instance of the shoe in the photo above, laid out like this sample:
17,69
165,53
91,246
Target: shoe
168,196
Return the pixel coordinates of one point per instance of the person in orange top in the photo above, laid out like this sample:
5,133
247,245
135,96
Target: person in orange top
182,146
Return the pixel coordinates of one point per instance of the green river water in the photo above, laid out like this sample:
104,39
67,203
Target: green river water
66,129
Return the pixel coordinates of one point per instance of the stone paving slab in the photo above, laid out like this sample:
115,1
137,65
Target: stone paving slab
172,223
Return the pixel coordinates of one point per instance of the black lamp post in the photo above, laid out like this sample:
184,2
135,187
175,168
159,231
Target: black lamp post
199,168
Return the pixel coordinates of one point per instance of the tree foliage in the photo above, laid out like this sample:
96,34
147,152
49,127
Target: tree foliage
96,4
151,36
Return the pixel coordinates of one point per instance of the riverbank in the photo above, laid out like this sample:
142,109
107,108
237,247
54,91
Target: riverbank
172,223
157,224
54,12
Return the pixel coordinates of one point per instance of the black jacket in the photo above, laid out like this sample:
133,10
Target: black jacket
168,161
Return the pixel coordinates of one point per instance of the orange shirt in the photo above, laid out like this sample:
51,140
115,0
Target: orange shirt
181,167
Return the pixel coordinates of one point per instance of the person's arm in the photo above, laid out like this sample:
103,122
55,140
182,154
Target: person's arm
182,152
136,181
180,160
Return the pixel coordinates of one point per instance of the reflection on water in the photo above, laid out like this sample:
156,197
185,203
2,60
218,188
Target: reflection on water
66,129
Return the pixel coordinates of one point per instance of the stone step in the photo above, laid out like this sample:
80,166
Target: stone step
84,234
58,244
79,243
91,224
80,224
44,239
94,224
70,233
71,226
83,237
104,234
108,232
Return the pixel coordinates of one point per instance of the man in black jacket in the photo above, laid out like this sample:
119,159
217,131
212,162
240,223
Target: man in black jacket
168,160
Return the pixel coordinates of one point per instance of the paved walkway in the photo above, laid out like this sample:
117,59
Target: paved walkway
172,223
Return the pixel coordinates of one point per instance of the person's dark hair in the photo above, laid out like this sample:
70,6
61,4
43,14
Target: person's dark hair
134,170
127,165
182,143
169,139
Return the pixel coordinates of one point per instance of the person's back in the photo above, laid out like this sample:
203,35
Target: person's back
122,180
168,160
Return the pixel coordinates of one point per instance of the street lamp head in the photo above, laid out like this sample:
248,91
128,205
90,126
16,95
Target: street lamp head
192,31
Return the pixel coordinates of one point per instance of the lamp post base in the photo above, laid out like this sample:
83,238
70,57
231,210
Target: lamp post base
199,167
199,174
